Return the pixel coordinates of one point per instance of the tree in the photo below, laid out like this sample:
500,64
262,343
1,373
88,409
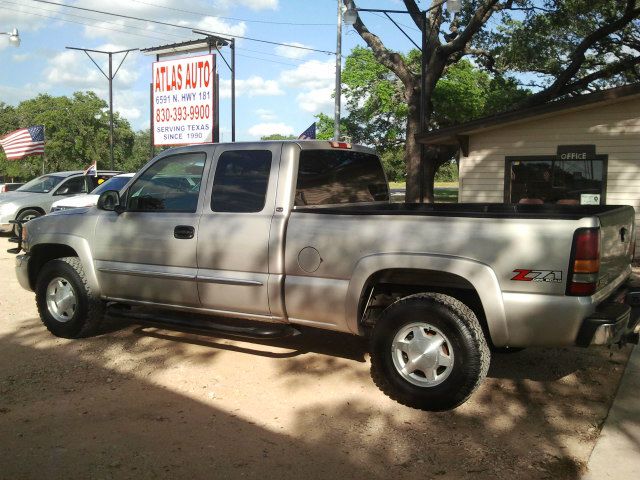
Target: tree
378,112
278,136
76,133
573,46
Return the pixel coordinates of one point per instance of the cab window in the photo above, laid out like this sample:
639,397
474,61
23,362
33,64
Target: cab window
241,180
172,184
73,186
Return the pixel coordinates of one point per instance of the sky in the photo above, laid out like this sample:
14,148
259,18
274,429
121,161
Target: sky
278,89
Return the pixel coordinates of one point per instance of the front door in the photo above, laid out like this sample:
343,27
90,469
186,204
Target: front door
148,252
233,240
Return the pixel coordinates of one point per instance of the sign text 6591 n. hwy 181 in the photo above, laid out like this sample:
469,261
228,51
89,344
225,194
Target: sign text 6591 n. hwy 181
183,100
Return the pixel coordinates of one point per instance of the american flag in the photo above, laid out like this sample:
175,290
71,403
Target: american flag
23,142
309,133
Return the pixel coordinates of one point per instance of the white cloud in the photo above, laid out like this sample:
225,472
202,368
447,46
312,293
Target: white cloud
316,100
265,114
133,33
252,4
290,52
73,69
21,57
263,129
254,86
310,75
215,25
316,80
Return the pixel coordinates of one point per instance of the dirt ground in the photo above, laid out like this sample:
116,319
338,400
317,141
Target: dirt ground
147,403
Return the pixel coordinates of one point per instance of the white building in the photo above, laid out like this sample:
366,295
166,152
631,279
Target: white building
583,150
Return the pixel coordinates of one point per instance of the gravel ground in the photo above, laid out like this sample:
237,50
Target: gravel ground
138,403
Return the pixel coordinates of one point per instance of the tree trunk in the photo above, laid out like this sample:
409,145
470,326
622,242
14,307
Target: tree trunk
412,150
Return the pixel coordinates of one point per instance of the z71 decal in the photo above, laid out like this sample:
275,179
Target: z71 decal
525,275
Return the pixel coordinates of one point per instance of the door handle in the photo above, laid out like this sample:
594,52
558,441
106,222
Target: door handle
184,232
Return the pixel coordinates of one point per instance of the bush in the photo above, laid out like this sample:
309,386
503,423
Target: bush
448,172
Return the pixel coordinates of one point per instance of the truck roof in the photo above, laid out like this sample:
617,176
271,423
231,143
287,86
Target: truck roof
69,173
303,144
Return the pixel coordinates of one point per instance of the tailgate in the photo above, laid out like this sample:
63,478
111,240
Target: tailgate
617,239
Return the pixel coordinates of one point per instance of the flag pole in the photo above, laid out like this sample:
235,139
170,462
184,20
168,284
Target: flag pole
44,152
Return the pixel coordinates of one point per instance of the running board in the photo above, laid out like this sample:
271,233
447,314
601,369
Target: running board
262,332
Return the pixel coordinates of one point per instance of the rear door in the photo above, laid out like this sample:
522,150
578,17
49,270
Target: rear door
148,252
233,239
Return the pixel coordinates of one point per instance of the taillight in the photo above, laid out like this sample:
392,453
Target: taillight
340,144
585,262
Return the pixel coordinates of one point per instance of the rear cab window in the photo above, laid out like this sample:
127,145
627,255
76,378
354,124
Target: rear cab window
241,181
331,177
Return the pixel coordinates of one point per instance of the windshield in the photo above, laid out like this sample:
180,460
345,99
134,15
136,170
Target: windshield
114,183
43,184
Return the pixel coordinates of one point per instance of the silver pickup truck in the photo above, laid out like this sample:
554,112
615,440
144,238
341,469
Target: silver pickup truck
291,234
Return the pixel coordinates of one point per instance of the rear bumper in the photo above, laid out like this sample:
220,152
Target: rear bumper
613,322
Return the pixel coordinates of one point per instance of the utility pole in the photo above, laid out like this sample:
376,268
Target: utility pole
110,78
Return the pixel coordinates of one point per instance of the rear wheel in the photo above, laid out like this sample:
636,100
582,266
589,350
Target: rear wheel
25,216
429,352
67,306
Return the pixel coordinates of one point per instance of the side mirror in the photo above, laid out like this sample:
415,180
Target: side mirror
110,201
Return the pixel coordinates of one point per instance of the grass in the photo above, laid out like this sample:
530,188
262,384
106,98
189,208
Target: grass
445,192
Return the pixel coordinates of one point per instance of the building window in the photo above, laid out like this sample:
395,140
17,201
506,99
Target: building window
537,180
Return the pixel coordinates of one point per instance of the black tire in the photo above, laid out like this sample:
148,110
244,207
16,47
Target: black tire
30,212
89,309
464,336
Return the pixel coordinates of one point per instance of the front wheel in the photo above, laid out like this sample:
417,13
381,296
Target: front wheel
428,352
25,216
67,306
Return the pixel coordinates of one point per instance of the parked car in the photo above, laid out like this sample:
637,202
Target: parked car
9,187
116,182
35,198
290,234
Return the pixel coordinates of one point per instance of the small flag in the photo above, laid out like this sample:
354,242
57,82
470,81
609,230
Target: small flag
309,133
92,169
23,142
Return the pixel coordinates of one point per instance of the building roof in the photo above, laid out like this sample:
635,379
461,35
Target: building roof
457,133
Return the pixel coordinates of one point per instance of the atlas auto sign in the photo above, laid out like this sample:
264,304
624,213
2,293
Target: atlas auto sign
183,100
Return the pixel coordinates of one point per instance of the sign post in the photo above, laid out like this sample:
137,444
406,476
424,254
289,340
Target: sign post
184,101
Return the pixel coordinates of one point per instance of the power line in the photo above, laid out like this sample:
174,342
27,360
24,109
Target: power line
236,19
85,24
86,18
174,25
146,36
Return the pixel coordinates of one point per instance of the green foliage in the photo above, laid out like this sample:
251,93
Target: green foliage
76,134
325,127
448,172
393,163
278,136
541,36
375,101
378,109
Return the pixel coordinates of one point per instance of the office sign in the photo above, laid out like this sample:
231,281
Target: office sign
576,152
183,100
